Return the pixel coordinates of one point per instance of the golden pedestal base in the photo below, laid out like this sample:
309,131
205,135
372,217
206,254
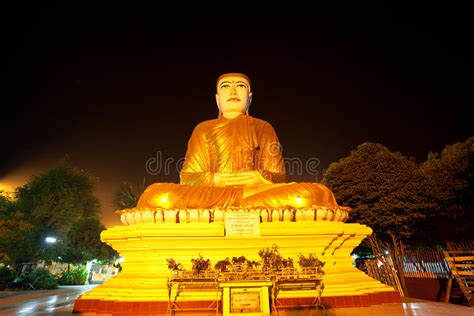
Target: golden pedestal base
141,287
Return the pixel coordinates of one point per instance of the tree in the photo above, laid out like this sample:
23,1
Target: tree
17,242
7,204
125,196
83,242
60,203
59,197
451,177
385,190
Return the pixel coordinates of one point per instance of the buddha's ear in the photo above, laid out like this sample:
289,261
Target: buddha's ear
217,101
249,100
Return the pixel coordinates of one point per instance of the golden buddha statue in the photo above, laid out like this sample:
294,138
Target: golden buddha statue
232,200
235,161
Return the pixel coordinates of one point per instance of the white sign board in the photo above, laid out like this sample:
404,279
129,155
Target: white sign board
242,224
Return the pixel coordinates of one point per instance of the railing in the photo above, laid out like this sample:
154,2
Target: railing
184,281
246,275
462,268
425,264
287,279
416,264
380,271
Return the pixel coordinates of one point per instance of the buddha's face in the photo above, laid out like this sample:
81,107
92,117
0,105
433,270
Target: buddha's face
233,95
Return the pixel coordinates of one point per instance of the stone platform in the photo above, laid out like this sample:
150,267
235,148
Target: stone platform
148,239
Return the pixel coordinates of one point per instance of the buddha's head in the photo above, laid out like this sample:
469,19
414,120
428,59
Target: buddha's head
233,95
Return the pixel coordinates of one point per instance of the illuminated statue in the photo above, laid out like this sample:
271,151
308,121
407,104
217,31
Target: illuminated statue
232,201
235,161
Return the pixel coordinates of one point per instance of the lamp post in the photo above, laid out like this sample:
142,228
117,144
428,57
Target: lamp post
53,250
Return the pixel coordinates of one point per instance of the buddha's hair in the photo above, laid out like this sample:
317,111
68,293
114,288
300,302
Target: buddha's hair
236,74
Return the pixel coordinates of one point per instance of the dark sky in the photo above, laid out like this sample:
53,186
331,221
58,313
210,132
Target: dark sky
110,85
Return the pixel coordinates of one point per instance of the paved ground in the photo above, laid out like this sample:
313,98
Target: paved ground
410,308
61,301
42,302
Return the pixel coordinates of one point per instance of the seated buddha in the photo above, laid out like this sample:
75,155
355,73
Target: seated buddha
235,160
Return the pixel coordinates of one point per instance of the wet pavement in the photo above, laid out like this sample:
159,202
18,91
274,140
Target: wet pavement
411,307
61,302
41,302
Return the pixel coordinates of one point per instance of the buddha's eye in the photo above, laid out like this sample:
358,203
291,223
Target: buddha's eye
225,86
241,86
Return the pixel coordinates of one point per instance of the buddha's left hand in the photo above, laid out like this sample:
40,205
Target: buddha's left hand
245,178
254,178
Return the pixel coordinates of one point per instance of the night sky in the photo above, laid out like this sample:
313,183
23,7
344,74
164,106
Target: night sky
110,85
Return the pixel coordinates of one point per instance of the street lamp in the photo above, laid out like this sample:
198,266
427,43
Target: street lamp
50,240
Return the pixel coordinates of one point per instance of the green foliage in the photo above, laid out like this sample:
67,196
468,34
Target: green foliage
83,242
451,177
58,197
272,259
125,196
42,279
173,265
58,203
237,263
26,248
17,242
311,261
6,275
76,276
385,190
7,205
223,265
239,260
199,264
452,173
251,264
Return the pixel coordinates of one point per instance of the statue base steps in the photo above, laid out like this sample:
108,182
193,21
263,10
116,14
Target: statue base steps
141,287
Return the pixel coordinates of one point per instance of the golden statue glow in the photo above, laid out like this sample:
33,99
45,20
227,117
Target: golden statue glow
232,201
235,161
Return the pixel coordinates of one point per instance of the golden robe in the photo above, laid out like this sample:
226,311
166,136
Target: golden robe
235,145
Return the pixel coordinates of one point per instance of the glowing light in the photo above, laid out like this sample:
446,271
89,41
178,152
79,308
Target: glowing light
299,200
162,200
50,240
7,191
121,259
354,256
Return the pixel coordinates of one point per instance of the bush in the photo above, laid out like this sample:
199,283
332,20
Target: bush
311,262
6,276
42,279
223,265
77,276
273,260
199,264
173,265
